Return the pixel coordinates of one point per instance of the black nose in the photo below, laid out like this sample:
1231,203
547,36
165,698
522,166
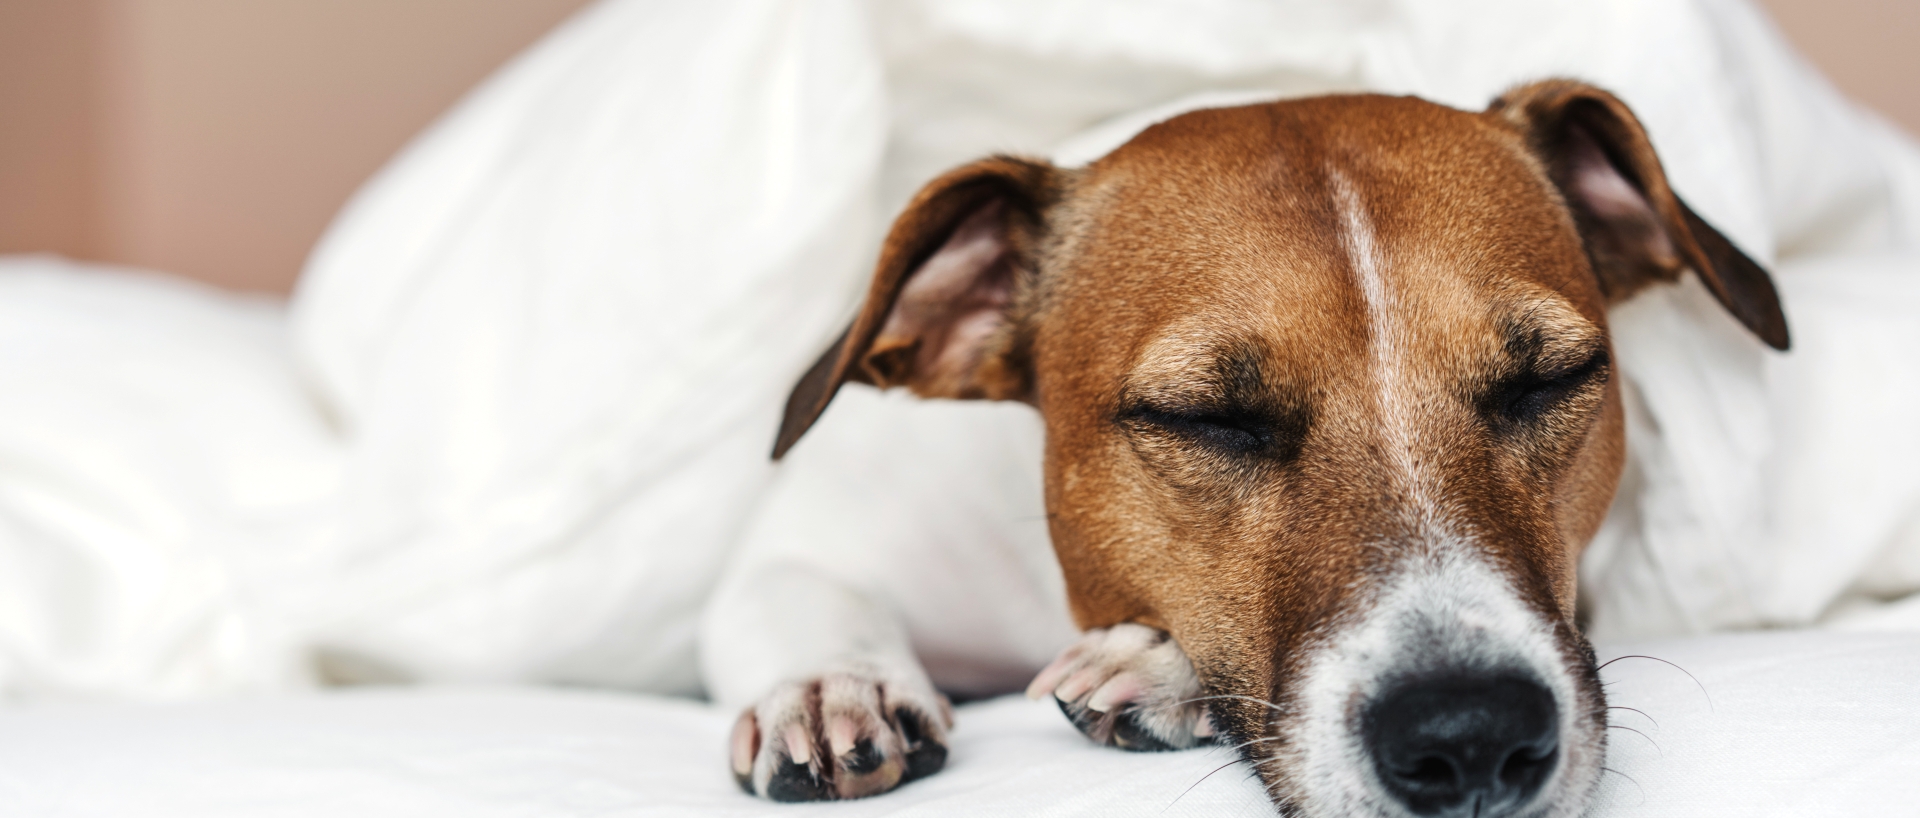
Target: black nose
1464,745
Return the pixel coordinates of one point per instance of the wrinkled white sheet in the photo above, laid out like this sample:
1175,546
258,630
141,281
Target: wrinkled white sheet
520,418
1760,741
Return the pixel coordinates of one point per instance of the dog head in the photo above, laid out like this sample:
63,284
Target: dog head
1329,397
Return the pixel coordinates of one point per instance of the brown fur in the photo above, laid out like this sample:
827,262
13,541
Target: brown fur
1202,270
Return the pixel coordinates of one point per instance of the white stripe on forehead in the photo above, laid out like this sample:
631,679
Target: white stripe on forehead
1389,366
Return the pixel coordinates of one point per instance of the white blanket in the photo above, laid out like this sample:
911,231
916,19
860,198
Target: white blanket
521,414
1757,737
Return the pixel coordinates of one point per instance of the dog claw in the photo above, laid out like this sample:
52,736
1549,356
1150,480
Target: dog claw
799,749
1051,676
1078,684
1123,687
743,746
1128,686
840,736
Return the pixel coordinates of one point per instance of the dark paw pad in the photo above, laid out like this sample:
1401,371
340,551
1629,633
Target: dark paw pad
863,758
1120,729
1129,734
924,756
796,782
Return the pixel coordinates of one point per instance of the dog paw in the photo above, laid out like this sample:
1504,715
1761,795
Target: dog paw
841,735
1129,686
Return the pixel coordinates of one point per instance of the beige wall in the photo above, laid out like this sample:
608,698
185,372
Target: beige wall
215,138
45,124
1869,48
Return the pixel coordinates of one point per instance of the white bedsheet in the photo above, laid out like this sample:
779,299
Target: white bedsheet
1797,725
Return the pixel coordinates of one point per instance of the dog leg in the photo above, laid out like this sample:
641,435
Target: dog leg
1128,686
834,703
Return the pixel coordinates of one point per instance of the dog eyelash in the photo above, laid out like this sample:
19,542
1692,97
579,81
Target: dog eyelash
1228,431
1527,398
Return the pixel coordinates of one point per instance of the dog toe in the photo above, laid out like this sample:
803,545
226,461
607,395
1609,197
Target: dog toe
868,754
926,752
1130,687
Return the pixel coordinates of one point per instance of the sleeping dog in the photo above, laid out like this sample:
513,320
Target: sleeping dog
1329,413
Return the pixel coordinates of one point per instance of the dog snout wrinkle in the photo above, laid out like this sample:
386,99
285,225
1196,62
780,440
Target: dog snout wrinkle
1464,745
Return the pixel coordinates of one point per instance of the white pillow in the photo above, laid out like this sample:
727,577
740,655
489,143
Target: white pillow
158,461
557,332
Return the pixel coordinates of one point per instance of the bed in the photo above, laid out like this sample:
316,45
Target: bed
435,536
1777,724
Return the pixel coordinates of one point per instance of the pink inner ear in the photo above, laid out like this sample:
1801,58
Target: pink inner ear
1620,207
952,305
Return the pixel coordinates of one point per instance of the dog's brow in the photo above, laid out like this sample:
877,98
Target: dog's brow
1546,333
1182,369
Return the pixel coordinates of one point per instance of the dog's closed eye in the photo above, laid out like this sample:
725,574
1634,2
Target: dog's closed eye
1234,431
1524,399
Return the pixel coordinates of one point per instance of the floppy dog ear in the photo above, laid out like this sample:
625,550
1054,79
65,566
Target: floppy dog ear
1635,229
937,317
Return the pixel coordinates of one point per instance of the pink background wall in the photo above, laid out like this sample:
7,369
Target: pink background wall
215,138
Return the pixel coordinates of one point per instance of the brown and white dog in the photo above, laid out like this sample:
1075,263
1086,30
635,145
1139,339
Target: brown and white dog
1329,415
